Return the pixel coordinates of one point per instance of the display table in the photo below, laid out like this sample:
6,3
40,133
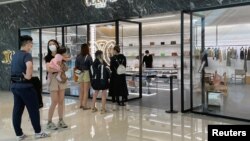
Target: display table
214,98
152,79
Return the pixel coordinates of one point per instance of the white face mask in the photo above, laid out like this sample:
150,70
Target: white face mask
52,48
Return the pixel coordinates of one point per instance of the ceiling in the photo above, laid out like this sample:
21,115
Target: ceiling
229,16
226,16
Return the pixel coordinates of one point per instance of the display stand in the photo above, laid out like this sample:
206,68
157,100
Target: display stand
171,96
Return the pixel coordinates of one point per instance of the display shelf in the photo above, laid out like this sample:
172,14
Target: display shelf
73,43
152,46
156,35
156,56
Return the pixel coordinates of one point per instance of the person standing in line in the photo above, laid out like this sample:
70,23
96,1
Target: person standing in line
23,90
100,75
118,85
83,63
148,60
56,89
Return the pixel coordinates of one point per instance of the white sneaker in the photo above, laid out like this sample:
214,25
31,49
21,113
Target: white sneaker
51,126
41,135
20,138
61,124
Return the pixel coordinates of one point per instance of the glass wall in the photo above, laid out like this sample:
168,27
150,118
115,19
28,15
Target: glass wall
46,35
74,36
101,36
129,41
221,41
35,50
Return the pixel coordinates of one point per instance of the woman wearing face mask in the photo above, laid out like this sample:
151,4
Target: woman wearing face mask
57,90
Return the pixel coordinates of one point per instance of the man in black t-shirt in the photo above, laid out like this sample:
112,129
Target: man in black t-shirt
23,90
148,60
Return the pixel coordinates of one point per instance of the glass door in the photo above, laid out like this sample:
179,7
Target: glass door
199,62
185,62
130,42
74,37
193,54
35,34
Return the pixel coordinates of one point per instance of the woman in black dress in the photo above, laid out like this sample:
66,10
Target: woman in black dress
118,85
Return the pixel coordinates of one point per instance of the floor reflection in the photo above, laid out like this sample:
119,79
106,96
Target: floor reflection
136,124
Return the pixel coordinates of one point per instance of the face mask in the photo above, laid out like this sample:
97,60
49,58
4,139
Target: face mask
52,48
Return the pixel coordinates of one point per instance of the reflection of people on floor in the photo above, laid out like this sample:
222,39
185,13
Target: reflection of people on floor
99,128
119,126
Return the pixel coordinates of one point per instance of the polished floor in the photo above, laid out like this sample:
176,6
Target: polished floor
137,124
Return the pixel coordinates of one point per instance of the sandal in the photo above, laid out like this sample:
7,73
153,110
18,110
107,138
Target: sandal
85,108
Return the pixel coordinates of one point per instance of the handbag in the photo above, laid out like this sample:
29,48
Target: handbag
174,54
121,69
63,77
78,74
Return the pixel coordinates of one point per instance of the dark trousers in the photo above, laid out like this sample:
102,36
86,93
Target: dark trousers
25,97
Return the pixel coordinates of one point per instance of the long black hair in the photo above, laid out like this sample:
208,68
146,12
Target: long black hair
49,54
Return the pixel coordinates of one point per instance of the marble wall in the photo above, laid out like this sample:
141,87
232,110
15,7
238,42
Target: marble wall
36,13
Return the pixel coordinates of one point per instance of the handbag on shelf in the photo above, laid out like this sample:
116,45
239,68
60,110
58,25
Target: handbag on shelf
173,42
174,54
131,83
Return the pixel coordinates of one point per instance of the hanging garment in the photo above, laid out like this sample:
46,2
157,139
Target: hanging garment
216,54
224,54
197,53
233,53
248,54
242,54
245,64
204,58
229,57
220,55
210,52
245,60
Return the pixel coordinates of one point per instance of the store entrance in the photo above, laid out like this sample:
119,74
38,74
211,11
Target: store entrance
126,34
161,38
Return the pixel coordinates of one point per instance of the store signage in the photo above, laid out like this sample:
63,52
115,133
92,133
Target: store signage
7,56
106,46
98,3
